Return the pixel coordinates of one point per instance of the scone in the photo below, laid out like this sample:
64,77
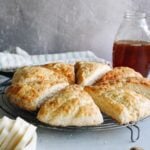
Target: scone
35,74
70,107
30,96
123,105
88,73
119,73
64,69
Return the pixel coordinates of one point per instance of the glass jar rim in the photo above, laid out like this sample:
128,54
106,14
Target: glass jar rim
134,14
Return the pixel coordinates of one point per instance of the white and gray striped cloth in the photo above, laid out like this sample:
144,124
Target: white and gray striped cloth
17,57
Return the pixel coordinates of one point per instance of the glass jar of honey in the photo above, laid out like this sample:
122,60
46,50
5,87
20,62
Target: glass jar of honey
132,43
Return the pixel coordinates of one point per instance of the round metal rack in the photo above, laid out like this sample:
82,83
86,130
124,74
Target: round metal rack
14,112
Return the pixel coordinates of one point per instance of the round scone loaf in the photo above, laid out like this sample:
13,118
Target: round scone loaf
121,93
70,107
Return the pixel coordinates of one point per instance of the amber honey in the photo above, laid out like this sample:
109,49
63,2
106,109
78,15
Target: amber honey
134,54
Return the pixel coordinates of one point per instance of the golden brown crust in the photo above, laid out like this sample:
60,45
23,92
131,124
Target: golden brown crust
64,69
29,96
123,105
88,73
23,96
143,81
118,73
36,74
70,107
138,85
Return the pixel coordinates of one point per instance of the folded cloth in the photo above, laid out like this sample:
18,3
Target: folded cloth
14,58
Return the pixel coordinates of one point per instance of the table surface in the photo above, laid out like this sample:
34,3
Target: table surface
118,139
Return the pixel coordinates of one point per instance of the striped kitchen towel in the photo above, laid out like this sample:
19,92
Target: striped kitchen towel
14,58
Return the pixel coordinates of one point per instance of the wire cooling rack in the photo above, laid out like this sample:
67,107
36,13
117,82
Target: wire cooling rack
14,112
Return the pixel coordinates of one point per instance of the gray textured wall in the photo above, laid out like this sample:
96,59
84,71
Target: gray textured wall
48,26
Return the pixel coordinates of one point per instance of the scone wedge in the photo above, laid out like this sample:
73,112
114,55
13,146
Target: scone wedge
70,107
30,96
88,73
118,73
63,68
123,105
